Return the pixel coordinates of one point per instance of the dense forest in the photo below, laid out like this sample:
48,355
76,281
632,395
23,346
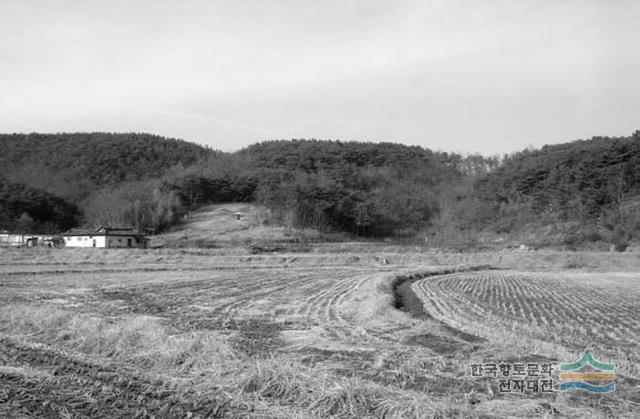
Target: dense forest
584,191
587,188
577,179
360,188
24,209
74,165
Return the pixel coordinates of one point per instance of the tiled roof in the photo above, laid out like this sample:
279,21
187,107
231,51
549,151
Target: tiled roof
79,232
103,231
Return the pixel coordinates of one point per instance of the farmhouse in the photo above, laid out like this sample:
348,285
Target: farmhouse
105,237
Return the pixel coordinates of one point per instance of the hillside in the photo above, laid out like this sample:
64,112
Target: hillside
150,182
231,225
107,178
567,194
312,156
73,165
25,209
582,176
364,189
585,186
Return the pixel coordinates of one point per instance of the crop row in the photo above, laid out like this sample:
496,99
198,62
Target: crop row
553,307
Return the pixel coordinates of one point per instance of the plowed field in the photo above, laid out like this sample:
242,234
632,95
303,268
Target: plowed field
169,333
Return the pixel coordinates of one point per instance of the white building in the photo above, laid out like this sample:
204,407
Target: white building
105,237
30,240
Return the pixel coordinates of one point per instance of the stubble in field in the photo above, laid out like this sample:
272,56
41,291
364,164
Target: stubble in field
200,333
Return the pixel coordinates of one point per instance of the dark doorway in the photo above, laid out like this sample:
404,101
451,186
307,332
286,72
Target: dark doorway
94,242
128,242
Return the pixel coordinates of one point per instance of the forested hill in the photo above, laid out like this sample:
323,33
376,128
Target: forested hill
587,181
575,192
578,178
371,189
73,165
314,155
149,181
27,210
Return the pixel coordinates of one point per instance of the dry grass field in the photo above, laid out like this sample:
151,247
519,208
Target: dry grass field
219,225
346,330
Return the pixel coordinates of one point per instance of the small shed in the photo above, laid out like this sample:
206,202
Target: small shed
25,239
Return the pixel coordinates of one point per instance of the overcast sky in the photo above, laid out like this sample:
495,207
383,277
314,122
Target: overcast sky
470,76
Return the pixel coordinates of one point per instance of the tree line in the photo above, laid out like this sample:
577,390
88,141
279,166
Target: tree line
361,189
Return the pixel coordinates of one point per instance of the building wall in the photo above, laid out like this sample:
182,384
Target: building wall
121,241
23,239
103,241
12,239
84,241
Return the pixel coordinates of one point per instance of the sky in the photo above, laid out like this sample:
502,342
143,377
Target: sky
485,76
